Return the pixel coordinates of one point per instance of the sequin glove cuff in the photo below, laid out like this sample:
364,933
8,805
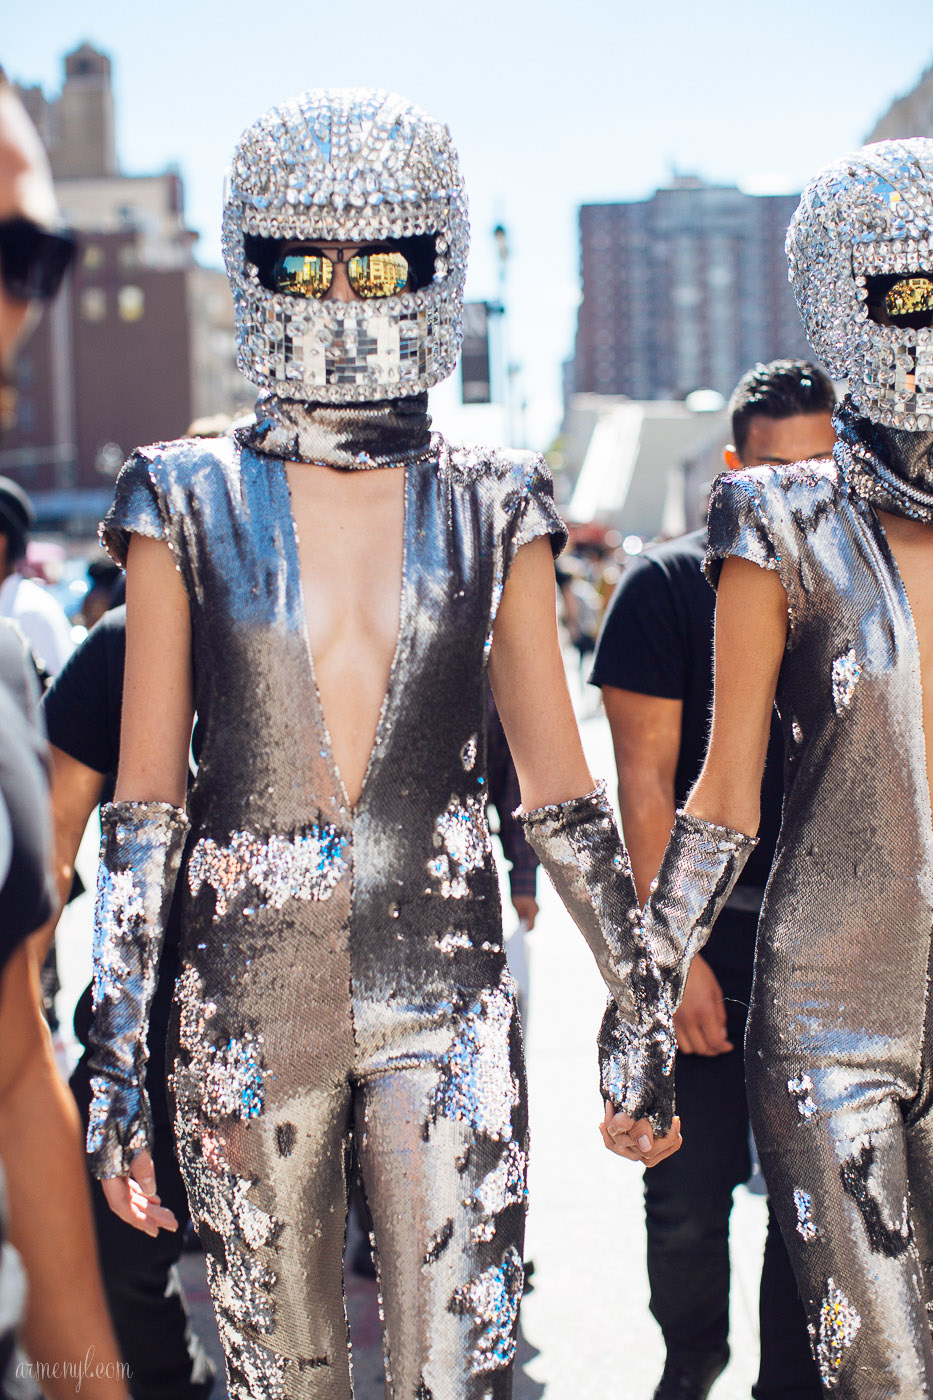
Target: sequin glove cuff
139,859
700,867
579,846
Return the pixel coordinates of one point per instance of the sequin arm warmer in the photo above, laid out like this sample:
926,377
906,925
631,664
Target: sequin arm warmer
139,859
579,846
700,867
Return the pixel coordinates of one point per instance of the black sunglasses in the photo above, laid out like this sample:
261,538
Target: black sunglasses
33,259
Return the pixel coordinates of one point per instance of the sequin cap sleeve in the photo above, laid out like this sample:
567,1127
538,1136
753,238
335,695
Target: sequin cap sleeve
739,526
538,514
135,510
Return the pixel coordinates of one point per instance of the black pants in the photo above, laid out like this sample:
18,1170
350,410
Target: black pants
688,1201
166,1360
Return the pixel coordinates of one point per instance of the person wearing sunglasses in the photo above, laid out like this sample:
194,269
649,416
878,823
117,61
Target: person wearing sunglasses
825,580
54,1289
328,588
35,251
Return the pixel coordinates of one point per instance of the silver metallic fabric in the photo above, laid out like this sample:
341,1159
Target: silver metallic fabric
364,437
699,868
890,467
140,855
579,846
698,871
838,1048
356,165
342,967
869,213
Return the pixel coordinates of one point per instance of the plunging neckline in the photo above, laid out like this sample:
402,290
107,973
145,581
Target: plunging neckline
382,722
900,587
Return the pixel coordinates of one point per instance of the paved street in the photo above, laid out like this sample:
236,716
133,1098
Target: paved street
586,1330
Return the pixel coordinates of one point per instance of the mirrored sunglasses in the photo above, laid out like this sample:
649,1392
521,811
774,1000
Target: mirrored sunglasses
307,272
909,296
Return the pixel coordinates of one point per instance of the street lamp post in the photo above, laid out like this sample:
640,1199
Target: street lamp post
509,370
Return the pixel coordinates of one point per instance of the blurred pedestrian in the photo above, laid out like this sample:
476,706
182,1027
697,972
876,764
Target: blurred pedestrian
30,605
65,1332
654,664
105,591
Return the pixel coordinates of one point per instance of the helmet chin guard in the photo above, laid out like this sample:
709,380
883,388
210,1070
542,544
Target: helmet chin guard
868,214
351,165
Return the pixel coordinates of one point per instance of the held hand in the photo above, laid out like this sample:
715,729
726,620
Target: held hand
700,1020
526,907
636,1141
133,1198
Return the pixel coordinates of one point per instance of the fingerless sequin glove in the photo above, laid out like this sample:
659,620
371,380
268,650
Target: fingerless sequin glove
139,860
579,846
700,867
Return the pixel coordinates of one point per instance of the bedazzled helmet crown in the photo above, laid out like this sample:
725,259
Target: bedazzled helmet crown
356,165
868,214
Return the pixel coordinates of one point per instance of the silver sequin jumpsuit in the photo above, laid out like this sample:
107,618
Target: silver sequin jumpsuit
343,968
840,1062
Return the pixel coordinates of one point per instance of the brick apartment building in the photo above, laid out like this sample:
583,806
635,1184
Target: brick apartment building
140,340
683,291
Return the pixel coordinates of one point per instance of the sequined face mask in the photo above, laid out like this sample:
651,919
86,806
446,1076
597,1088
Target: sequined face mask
860,248
351,166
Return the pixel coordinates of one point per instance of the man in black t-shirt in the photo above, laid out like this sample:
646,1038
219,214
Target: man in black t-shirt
654,664
166,1360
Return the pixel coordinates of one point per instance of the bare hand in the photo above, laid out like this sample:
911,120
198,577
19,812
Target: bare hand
133,1198
526,907
700,1020
636,1141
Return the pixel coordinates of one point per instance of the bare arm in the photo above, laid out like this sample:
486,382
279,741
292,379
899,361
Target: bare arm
75,793
158,705
50,1215
646,735
526,671
751,634
646,732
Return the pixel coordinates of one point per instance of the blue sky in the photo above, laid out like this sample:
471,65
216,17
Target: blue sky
551,105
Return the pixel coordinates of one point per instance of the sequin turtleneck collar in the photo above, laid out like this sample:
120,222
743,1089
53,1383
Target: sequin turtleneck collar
351,437
890,468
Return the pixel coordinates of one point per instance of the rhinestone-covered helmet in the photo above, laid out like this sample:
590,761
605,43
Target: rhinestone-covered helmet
869,214
357,165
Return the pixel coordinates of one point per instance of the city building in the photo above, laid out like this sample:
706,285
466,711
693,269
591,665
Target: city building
910,115
140,341
683,291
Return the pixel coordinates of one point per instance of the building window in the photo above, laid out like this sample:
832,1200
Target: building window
92,257
128,256
131,303
93,304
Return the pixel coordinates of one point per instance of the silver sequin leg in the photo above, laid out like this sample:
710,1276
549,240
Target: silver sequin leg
443,1150
835,1153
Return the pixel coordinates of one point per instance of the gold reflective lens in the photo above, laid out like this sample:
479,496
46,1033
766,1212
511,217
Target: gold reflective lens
378,274
304,274
909,296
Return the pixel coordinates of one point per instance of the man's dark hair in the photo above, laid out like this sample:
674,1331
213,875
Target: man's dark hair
779,389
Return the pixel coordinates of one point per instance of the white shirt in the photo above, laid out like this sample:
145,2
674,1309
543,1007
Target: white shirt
42,621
